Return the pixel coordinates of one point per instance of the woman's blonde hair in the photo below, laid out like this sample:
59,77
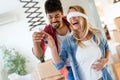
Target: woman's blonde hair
87,28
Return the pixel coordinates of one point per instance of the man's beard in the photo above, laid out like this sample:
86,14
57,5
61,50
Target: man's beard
56,26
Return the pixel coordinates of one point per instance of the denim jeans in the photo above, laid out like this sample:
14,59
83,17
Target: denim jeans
70,73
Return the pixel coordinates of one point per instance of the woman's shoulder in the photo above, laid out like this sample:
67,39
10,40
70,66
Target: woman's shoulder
70,37
68,40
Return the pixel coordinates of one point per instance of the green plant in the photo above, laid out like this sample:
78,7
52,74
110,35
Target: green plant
14,62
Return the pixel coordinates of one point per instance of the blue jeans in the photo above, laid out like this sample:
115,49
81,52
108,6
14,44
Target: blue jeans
70,73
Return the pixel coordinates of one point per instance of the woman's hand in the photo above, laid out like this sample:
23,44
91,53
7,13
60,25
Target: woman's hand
48,39
100,64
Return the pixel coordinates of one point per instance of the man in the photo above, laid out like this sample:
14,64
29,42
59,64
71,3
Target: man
58,29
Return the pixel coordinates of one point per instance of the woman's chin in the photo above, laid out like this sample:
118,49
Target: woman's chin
76,27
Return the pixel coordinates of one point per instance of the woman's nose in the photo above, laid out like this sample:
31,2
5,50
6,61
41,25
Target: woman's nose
72,18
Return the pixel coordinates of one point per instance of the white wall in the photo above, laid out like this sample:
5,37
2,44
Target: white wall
16,34
111,12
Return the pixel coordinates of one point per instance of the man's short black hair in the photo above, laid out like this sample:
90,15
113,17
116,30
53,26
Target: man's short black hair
53,5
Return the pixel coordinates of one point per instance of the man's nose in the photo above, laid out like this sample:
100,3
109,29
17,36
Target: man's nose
54,19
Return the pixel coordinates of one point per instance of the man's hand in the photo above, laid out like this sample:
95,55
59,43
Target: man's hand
37,36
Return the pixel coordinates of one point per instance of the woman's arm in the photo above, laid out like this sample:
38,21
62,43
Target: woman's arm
104,60
52,46
59,59
55,56
107,56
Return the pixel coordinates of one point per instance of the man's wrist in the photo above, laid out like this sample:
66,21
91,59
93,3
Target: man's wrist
42,59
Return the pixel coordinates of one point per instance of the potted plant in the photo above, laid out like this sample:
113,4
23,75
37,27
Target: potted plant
14,62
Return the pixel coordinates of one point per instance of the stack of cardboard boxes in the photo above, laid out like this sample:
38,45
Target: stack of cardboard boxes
116,35
116,59
116,63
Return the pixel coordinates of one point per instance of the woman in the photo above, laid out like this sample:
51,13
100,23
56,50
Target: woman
86,48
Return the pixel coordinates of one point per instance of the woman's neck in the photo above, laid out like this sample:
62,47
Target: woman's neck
84,38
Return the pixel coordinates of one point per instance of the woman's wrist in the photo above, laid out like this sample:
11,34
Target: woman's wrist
106,60
54,48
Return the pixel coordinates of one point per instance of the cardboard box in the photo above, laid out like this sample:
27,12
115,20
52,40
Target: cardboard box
118,50
46,71
115,57
116,69
117,22
116,35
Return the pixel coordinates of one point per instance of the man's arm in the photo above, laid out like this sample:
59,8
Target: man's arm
38,44
37,50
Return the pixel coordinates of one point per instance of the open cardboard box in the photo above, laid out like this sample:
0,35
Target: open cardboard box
46,71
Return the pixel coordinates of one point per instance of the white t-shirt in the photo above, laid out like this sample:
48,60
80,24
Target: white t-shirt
86,57
60,40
